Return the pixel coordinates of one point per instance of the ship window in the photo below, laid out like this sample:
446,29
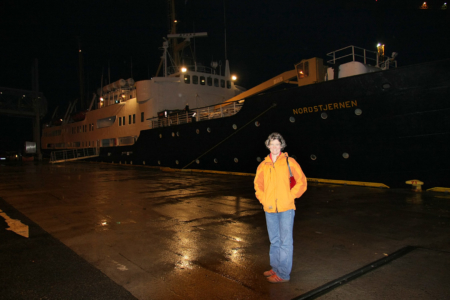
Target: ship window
142,116
107,142
129,119
187,78
202,80
123,120
134,118
209,80
216,82
120,121
302,70
228,84
128,140
195,79
106,122
222,83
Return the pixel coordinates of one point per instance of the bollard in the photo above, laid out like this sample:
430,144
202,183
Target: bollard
416,185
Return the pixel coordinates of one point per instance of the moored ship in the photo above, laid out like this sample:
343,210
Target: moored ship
357,120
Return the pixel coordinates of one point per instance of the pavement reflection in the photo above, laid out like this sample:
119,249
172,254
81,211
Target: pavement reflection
173,235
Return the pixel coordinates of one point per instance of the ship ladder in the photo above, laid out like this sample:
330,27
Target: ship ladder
71,155
215,146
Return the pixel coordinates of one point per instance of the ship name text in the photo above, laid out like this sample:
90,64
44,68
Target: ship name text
324,107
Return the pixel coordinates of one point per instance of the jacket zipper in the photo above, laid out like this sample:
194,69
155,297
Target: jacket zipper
276,200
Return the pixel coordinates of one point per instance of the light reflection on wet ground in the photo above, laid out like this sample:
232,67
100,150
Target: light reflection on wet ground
202,236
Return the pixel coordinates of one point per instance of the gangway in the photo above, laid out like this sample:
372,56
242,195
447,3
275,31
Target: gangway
73,154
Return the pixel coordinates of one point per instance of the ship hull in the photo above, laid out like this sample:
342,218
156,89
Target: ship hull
388,127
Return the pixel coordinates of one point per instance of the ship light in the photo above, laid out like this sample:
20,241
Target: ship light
101,98
233,77
183,69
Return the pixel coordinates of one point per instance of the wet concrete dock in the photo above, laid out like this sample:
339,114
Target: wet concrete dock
102,231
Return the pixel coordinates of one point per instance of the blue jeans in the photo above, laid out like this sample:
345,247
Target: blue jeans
279,227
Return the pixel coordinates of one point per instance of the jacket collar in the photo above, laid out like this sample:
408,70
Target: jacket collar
282,155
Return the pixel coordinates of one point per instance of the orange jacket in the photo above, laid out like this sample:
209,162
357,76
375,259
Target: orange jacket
272,184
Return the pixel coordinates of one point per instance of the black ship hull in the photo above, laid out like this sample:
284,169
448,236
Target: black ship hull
388,127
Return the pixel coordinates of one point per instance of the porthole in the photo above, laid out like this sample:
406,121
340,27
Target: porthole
178,134
257,124
236,160
258,159
345,155
234,126
324,115
173,134
197,161
215,160
131,162
177,162
198,131
386,86
208,129
143,162
313,157
358,111
292,119
159,162
160,135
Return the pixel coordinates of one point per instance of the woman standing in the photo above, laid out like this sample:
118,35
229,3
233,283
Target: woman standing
272,185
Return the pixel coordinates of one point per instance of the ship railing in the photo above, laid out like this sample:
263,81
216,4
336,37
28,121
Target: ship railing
72,154
198,114
353,53
193,68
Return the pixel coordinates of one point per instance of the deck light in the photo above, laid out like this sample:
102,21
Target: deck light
101,98
183,69
233,77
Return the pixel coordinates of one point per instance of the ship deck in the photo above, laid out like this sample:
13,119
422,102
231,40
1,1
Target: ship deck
109,231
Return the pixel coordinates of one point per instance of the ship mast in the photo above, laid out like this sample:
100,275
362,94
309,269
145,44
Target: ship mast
81,75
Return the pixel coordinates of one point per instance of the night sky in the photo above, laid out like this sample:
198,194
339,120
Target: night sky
264,38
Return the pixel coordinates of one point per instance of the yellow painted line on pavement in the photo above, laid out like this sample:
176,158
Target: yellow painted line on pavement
15,225
317,180
439,189
349,182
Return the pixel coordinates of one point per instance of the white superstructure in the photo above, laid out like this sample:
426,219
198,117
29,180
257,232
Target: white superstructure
124,108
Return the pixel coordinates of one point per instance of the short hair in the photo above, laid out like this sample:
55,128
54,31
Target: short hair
276,136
